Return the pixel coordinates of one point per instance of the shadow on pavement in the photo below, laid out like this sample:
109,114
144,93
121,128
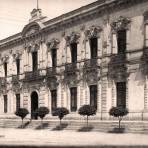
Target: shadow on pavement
24,125
42,126
58,127
86,129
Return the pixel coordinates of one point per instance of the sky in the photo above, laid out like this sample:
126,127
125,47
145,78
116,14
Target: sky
15,14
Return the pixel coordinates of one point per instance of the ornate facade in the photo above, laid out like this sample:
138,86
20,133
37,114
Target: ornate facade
94,55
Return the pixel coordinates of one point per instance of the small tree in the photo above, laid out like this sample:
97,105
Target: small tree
42,112
87,110
22,112
118,112
60,112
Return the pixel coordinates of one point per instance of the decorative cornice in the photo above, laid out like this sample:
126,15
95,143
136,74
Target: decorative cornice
94,10
120,24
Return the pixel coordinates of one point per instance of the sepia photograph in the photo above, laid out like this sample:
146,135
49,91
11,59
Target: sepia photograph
74,74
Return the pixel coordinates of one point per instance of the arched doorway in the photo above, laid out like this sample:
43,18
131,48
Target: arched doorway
34,104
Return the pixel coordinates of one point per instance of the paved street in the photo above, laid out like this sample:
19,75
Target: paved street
68,138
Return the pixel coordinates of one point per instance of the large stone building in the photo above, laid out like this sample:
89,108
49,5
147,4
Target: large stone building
94,55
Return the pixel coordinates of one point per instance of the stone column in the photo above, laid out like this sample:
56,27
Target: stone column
68,54
114,44
98,96
29,61
82,93
100,45
87,50
78,96
114,98
146,94
59,95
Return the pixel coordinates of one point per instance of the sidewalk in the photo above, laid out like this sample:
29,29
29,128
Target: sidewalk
46,137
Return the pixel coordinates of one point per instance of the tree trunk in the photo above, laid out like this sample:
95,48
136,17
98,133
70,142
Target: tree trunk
120,122
60,123
22,123
87,121
42,123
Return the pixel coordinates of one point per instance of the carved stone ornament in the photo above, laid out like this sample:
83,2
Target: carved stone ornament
16,55
93,31
52,83
33,47
73,38
53,43
5,59
120,24
71,80
91,76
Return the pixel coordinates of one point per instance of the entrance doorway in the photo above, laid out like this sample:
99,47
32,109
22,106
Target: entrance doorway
34,105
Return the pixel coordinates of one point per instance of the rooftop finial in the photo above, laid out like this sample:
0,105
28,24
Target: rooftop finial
37,4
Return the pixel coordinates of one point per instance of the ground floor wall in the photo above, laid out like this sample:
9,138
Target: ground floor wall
136,97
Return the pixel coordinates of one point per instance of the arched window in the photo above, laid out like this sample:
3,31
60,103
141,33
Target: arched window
73,52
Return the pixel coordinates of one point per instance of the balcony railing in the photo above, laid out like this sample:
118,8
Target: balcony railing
71,67
15,79
117,69
33,75
90,63
51,71
3,81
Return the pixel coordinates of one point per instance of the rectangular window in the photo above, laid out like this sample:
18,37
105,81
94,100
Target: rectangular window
93,95
34,61
5,69
74,52
73,95
54,57
53,99
5,103
18,66
121,41
121,94
93,47
17,101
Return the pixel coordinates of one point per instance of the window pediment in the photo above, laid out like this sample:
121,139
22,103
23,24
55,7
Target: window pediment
32,28
92,32
120,24
54,43
33,47
72,38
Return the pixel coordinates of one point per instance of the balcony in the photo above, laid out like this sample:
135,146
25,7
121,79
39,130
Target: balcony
91,70
90,63
51,72
33,76
71,69
117,69
144,60
3,82
15,79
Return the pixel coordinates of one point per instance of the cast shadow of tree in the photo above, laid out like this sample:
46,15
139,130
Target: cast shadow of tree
42,126
25,125
60,127
86,129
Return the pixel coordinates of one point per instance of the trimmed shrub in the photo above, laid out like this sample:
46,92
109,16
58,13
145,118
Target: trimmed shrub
22,112
42,112
87,110
60,112
118,112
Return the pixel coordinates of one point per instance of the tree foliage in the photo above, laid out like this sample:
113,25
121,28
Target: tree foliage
42,112
87,110
22,112
60,112
118,112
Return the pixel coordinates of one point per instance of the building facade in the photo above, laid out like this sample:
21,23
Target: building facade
97,55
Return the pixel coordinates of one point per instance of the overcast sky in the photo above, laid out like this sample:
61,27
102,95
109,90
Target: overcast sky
14,14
